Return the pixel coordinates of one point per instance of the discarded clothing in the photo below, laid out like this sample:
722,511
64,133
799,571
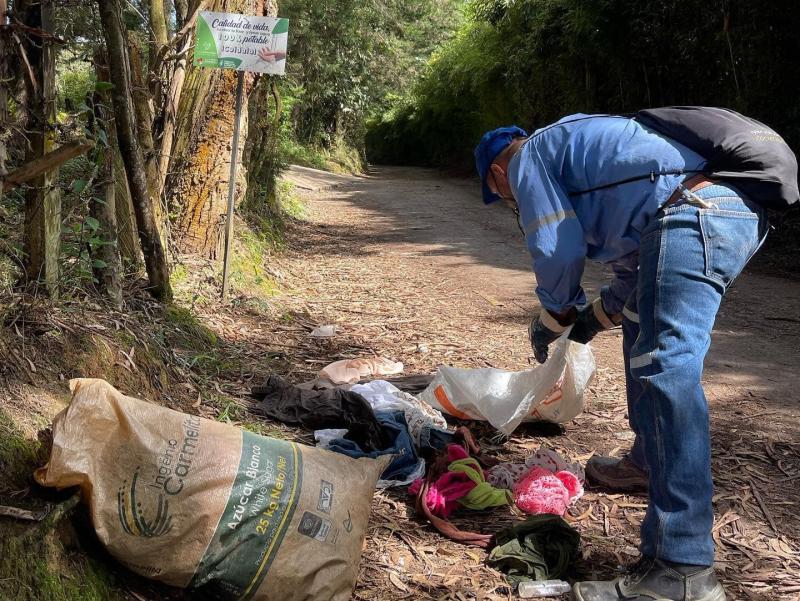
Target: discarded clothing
463,484
433,439
437,471
405,467
443,496
383,396
541,548
542,491
413,384
350,371
506,475
448,529
483,495
319,409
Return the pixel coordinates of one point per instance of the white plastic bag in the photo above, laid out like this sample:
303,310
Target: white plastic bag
551,392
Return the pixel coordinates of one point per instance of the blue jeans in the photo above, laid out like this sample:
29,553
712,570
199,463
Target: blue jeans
688,257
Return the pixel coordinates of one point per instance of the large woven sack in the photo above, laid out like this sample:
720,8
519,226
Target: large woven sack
197,503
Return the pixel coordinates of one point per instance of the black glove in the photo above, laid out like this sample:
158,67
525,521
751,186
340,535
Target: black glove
543,331
592,319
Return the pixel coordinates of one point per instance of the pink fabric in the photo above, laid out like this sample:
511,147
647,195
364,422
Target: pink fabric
456,452
540,491
571,482
443,495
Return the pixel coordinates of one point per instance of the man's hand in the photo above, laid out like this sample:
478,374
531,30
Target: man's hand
545,328
592,319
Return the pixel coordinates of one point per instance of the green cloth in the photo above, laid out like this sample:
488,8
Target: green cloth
543,547
484,495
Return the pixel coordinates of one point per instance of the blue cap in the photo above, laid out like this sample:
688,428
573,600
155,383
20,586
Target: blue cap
493,143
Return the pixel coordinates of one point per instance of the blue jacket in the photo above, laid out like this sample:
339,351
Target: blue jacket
562,228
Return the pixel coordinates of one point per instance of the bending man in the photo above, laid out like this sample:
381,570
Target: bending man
675,244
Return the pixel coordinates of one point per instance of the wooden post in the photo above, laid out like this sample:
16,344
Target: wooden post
4,54
43,202
232,183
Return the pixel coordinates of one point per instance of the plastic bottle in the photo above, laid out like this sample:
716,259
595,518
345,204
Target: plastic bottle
543,588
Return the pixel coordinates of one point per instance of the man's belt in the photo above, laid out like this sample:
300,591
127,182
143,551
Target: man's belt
684,190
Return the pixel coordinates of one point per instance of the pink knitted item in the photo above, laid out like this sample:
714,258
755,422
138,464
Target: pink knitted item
571,482
540,491
443,495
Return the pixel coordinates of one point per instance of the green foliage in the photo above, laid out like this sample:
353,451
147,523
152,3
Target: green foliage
532,61
347,55
74,79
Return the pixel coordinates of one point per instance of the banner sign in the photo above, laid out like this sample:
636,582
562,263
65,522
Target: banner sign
241,42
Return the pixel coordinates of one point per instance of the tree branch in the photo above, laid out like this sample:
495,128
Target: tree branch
48,162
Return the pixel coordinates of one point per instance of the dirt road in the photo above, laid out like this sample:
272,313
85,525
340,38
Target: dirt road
410,264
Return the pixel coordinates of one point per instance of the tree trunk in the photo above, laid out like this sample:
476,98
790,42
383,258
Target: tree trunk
143,112
260,155
261,151
200,162
43,200
155,257
5,53
170,113
106,263
127,232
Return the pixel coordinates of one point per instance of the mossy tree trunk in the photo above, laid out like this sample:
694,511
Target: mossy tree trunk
155,255
106,262
197,183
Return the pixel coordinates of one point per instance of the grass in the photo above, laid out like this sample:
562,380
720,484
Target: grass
187,331
36,566
44,570
19,455
340,158
249,259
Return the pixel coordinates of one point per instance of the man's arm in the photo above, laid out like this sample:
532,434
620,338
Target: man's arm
556,242
554,236
616,293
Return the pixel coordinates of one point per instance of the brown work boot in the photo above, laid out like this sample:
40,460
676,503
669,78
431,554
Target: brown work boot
616,475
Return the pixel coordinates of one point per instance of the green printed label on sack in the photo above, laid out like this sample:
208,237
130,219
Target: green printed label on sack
256,517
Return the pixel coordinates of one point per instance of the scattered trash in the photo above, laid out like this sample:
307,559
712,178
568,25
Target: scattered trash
321,409
443,489
463,484
323,331
483,495
384,396
196,503
425,425
405,466
543,547
350,371
530,589
413,384
542,491
506,475
550,392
